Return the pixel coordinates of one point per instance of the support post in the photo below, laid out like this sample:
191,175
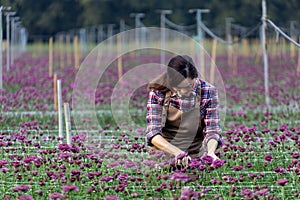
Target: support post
265,54
163,14
50,56
200,36
68,122
59,109
1,37
8,14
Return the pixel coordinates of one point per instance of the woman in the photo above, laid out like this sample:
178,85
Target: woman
182,113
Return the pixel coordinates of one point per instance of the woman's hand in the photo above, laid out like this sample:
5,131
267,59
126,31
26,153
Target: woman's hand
183,159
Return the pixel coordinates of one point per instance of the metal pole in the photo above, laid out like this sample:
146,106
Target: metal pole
23,39
265,55
82,35
13,38
122,25
122,28
100,33
1,38
7,39
163,14
110,32
228,21
200,36
138,17
1,66
292,28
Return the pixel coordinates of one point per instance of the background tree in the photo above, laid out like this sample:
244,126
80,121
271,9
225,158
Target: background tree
47,17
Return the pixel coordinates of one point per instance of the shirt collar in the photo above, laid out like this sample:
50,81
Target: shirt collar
195,88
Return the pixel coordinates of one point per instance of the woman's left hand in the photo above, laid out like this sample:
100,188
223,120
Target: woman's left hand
211,147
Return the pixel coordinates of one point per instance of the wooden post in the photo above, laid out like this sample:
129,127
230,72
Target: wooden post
119,46
298,63
61,51
69,56
257,51
283,49
245,47
68,122
50,56
59,109
213,61
55,91
76,51
234,58
292,48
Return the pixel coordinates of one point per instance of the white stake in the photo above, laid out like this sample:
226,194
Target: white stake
265,54
59,109
1,66
68,122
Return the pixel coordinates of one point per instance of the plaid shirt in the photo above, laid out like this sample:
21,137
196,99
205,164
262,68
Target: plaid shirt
208,111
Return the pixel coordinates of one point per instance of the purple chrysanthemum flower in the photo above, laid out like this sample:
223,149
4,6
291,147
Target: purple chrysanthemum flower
69,188
111,198
63,147
218,163
262,192
202,167
207,159
55,196
106,178
74,148
247,193
282,182
187,193
123,177
279,170
179,176
237,168
4,169
25,197
195,163
149,163
21,188
3,163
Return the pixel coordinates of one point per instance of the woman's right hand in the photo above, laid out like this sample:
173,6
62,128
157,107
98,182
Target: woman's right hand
183,159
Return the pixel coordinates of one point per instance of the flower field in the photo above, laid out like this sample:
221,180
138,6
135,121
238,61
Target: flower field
260,158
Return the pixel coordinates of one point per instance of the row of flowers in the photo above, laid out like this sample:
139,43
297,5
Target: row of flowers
250,158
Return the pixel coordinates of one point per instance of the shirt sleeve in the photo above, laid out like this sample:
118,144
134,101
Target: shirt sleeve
212,128
153,117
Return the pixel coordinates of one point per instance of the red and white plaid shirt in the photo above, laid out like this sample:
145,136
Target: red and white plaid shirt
208,110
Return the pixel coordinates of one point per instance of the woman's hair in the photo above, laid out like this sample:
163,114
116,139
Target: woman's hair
179,68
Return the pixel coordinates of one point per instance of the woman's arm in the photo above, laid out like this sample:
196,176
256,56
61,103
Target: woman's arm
211,148
166,146
213,138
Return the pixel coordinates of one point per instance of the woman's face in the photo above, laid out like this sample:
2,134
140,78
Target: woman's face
185,87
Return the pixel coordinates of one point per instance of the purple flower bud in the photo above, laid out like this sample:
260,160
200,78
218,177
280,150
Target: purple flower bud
282,182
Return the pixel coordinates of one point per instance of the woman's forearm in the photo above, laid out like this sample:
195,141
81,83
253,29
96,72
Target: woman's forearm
212,145
166,146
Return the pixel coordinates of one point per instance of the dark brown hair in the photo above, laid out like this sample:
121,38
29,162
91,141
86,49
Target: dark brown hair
179,68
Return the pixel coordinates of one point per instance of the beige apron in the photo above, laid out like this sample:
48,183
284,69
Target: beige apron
183,129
